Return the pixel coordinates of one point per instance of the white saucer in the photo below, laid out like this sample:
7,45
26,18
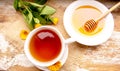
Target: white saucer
62,60
93,40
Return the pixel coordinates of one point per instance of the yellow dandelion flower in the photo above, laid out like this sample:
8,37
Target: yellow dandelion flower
55,21
55,67
37,25
23,34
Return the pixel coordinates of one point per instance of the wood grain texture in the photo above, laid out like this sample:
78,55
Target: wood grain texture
12,22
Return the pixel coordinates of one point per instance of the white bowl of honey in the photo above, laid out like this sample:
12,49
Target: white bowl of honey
78,12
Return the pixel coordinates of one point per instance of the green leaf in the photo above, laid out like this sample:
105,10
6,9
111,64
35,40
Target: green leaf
47,10
29,18
39,10
40,1
35,4
36,20
50,18
29,25
36,7
34,12
41,19
16,4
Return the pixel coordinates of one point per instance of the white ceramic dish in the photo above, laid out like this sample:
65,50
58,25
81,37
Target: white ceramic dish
97,39
62,55
62,60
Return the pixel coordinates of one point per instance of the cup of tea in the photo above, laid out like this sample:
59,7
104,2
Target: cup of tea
44,46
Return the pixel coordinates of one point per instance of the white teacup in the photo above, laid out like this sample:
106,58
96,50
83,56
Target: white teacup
32,58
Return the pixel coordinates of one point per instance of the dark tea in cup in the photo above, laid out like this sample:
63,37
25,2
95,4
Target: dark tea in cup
45,45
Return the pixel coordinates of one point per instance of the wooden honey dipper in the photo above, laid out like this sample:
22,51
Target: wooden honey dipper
91,24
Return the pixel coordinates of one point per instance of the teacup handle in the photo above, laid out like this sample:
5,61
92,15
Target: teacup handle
69,40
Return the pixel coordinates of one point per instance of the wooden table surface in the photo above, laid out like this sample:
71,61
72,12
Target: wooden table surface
12,22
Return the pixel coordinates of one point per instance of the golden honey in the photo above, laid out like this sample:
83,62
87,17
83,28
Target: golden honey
83,14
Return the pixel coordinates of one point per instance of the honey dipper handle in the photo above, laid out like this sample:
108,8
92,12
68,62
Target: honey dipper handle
107,12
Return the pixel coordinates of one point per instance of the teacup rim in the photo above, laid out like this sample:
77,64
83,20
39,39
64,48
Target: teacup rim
32,59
